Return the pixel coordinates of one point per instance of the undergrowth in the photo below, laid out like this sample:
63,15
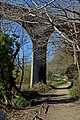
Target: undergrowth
31,96
25,98
41,88
75,90
60,81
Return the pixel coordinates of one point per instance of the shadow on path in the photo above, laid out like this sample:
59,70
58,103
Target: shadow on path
61,96
54,99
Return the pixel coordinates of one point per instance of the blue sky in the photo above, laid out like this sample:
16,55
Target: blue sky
15,28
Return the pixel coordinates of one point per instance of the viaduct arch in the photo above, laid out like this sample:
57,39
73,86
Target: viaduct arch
39,29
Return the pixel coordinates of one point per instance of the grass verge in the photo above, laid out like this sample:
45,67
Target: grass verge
59,83
74,91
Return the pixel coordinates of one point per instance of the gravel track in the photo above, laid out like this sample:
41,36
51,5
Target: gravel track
61,107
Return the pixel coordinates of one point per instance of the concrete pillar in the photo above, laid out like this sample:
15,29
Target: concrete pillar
78,53
38,69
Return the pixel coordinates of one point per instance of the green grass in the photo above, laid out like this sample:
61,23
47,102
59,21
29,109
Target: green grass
25,98
20,101
74,91
59,83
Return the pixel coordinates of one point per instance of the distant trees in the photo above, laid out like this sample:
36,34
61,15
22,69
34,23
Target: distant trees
61,61
23,79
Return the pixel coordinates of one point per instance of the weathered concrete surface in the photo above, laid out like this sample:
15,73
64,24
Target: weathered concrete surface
3,115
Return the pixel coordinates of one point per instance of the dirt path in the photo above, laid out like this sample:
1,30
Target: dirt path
61,107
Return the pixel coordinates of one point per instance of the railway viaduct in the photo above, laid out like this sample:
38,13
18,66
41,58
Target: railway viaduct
39,29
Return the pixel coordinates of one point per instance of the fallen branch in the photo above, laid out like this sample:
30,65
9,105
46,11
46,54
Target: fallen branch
44,106
42,109
47,109
37,118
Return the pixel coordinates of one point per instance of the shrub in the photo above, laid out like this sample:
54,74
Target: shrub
74,92
20,101
41,88
7,56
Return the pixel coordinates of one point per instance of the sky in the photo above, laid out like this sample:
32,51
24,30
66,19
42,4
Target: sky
15,28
